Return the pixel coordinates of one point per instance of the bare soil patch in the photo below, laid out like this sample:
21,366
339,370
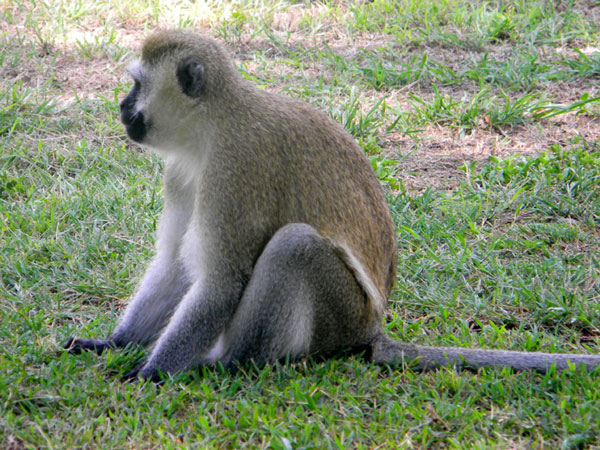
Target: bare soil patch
434,158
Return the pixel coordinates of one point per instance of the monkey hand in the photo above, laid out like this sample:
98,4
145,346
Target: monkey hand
76,345
144,373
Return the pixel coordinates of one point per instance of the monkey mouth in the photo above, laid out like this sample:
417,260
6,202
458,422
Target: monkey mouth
135,125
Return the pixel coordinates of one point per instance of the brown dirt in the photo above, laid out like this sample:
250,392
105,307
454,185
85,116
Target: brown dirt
434,160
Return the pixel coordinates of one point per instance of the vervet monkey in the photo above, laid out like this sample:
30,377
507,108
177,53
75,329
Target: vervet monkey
275,240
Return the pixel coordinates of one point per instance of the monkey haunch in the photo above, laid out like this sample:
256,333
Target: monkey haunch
275,240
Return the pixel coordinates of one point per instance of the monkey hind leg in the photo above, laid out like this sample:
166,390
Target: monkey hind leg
301,300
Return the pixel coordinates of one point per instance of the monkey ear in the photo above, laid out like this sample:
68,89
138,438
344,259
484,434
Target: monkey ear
190,74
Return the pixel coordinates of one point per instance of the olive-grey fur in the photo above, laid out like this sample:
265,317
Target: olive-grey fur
275,238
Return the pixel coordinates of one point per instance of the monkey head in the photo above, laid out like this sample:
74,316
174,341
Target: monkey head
177,84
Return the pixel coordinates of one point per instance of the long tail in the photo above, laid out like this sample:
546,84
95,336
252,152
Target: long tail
387,350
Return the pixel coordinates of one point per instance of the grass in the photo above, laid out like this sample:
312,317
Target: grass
496,249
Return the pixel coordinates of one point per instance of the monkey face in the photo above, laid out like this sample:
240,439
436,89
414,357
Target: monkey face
183,88
132,118
167,102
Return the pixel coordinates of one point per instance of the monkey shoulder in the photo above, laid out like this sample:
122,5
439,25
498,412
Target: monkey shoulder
295,130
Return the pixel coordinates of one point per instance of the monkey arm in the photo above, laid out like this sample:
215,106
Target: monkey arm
387,350
198,320
161,289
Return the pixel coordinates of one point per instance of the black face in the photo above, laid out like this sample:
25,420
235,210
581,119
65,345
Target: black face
134,121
